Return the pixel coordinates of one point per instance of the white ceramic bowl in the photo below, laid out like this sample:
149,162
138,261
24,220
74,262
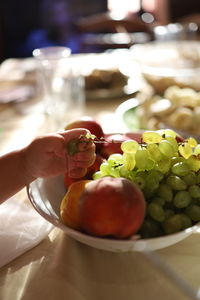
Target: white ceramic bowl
46,195
168,63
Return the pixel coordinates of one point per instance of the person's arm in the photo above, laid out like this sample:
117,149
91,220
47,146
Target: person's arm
46,156
13,175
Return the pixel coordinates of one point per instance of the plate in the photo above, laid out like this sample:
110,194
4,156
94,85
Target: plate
111,93
164,64
46,195
126,113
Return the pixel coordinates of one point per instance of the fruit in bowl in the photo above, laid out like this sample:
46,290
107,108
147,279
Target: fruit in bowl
112,207
108,206
165,169
69,209
112,142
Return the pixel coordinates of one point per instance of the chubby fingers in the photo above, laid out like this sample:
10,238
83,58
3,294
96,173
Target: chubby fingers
83,159
79,162
84,154
71,134
78,140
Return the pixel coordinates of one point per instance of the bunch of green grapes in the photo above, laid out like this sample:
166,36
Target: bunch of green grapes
167,172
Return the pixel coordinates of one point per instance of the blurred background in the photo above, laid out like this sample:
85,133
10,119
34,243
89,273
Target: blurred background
85,25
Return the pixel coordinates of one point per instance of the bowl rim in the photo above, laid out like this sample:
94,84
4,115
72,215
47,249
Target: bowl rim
137,52
134,243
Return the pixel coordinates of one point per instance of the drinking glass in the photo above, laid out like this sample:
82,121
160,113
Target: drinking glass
62,84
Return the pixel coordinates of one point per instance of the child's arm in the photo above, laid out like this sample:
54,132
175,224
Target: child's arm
46,156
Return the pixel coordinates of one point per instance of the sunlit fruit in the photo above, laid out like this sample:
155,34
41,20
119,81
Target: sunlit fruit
70,205
112,144
111,207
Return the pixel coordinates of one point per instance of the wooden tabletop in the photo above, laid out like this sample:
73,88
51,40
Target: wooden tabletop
62,268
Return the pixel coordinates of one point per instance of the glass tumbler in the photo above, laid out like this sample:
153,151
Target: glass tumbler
62,85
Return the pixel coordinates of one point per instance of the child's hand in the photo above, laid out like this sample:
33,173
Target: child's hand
47,155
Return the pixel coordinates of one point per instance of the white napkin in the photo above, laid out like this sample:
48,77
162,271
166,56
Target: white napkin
21,228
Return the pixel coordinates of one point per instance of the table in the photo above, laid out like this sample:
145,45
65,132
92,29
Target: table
62,268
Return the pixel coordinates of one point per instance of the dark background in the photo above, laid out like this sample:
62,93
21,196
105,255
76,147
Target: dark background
18,18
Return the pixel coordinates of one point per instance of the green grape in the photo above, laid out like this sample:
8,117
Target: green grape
168,132
151,183
97,175
173,142
172,224
149,137
141,158
150,229
164,165
180,169
198,178
182,199
168,213
139,181
195,201
192,142
129,161
185,150
190,178
177,159
156,212
193,212
176,183
154,152
123,172
160,201
142,174
194,191
114,172
149,164
157,174
105,168
185,221
197,150
165,192
194,163
130,146
115,159
166,148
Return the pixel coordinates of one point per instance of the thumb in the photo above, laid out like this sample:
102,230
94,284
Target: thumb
71,134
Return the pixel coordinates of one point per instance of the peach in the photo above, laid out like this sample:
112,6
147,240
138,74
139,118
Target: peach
111,207
69,180
69,209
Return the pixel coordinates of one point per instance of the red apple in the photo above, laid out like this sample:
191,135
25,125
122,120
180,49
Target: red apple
111,207
113,144
137,136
